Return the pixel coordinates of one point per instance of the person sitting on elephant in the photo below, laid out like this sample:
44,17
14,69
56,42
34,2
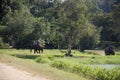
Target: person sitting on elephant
37,47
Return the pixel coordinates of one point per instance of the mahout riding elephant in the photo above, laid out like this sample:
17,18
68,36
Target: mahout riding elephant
37,48
109,51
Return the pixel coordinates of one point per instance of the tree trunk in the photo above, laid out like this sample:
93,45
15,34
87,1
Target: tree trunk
82,48
69,48
69,51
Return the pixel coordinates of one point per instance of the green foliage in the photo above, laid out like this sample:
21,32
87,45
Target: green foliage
90,37
75,23
18,26
59,24
116,20
2,45
109,21
4,8
51,58
61,65
41,28
88,71
42,59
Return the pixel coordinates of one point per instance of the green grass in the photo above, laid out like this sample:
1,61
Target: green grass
118,53
94,73
22,59
78,57
78,64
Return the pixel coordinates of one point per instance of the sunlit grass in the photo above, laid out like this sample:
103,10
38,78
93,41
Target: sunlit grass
78,57
79,63
26,60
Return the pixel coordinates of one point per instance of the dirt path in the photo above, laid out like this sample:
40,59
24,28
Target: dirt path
11,73
100,52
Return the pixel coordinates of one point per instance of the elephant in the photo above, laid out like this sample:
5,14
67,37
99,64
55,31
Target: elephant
37,48
109,51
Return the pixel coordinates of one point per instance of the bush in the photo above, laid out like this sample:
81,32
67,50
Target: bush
2,44
42,59
51,57
61,65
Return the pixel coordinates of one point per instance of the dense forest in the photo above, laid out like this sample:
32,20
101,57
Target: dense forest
63,24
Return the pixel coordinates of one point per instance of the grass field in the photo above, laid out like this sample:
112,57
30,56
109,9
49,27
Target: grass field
63,68
28,63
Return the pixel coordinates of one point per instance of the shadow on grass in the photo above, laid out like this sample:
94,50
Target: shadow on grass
32,56
59,56
25,56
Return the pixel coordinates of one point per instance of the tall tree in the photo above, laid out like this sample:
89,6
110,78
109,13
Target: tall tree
4,7
74,22
19,23
116,20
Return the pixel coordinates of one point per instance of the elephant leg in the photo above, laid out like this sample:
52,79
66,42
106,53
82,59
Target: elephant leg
34,51
113,53
39,51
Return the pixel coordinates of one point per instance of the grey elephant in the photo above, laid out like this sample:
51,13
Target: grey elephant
109,51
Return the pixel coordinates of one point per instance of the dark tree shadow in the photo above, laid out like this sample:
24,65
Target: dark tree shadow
25,56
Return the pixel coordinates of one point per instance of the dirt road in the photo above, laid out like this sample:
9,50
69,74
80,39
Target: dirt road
100,52
10,73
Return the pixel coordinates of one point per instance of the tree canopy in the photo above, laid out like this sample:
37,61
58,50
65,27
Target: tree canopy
59,24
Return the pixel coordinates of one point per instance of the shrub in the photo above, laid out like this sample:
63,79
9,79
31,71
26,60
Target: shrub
51,57
42,59
2,44
61,65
